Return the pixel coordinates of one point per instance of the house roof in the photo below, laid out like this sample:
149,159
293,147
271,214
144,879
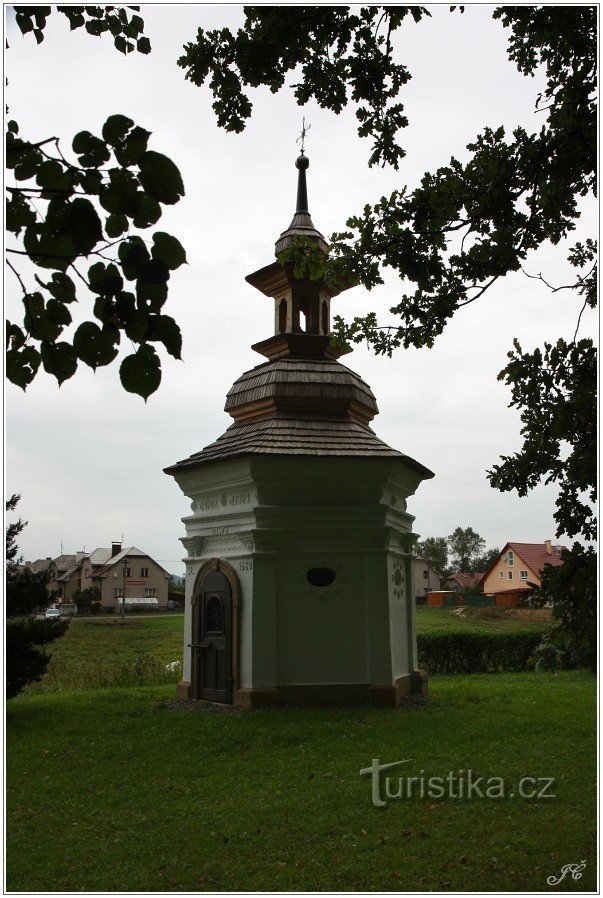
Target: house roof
100,556
69,572
131,552
40,564
466,579
534,555
64,562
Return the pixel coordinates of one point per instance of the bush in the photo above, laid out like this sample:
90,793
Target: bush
25,663
454,652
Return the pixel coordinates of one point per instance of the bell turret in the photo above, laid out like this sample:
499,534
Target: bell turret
302,307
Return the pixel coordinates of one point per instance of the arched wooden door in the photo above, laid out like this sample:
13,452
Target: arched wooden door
212,646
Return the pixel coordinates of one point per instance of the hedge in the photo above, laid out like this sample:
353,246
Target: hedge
451,653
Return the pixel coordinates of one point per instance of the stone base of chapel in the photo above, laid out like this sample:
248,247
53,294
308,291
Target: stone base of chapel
317,695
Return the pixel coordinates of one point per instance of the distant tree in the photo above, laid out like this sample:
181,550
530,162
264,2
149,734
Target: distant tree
483,561
25,592
571,588
85,598
465,547
434,549
76,219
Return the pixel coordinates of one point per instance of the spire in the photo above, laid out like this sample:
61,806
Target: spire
301,223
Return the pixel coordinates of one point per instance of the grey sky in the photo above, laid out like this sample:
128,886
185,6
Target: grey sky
88,457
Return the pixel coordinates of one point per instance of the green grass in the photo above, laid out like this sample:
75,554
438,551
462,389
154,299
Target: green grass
103,651
109,791
439,620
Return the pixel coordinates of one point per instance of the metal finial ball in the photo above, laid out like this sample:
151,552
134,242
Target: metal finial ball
302,162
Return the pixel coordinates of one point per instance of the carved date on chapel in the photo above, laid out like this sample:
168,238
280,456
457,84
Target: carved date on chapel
211,503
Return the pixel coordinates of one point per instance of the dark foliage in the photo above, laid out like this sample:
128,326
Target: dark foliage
465,653
25,592
572,589
69,212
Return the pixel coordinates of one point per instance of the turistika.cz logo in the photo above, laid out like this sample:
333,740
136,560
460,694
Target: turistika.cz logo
455,785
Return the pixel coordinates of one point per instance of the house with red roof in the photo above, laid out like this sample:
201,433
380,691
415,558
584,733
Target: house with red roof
518,568
462,580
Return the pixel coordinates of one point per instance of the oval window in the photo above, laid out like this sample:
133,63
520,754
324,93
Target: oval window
320,576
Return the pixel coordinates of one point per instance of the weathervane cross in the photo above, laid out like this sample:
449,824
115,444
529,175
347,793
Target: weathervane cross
302,137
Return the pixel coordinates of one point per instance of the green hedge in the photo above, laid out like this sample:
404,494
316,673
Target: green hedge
450,653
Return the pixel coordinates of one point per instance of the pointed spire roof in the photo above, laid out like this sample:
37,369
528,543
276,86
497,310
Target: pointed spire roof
301,223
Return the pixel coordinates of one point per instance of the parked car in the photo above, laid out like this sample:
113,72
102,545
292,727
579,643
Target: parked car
52,614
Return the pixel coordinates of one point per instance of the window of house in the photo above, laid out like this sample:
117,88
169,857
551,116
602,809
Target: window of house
144,572
510,575
87,572
118,592
510,559
425,575
501,574
150,592
128,572
523,575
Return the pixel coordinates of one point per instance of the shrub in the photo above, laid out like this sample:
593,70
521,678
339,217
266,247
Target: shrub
454,652
25,663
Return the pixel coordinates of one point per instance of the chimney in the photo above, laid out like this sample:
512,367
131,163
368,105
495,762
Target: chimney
79,556
549,548
115,549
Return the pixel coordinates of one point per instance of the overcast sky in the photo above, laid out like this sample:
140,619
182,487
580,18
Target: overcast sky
88,458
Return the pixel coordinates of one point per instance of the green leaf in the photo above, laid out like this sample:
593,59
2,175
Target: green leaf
92,152
164,329
47,250
76,219
121,195
19,213
133,255
61,287
52,176
22,365
58,312
59,359
95,346
148,212
13,127
143,45
168,249
36,320
116,225
115,129
26,169
150,297
141,373
15,338
105,280
132,148
160,178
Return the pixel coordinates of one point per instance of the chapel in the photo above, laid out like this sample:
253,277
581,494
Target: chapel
299,542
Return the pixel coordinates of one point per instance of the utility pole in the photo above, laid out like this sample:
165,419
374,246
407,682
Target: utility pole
123,599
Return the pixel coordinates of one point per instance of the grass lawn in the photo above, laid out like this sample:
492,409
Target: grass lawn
438,620
108,791
101,651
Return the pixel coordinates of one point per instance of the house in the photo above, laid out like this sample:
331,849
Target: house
115,571
425,577
462,580
518,568
56,568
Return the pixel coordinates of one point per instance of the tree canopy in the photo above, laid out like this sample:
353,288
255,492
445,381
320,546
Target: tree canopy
76,217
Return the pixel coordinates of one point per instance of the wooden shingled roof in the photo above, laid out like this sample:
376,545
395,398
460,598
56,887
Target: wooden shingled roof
302,379
282,434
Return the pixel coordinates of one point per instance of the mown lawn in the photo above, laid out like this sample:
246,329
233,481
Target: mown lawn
108,791
439,620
